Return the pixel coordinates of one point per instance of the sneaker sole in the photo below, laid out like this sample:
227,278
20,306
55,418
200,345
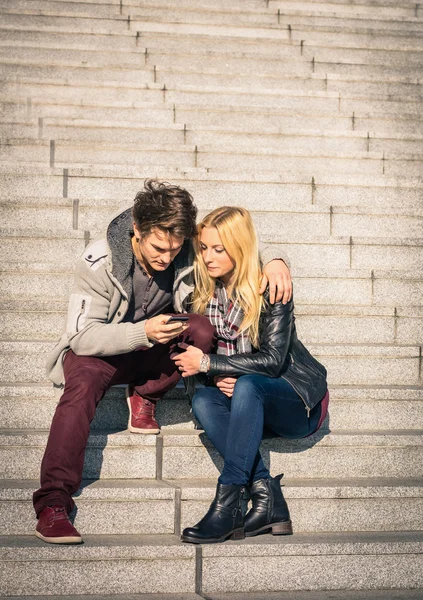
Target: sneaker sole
137,429
59,540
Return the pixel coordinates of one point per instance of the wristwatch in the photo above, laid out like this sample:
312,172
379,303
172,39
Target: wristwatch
205,363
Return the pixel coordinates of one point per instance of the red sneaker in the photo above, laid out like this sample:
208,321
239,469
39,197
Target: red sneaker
141,413
54,527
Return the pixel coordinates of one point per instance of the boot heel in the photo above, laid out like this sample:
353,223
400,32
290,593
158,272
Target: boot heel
238,534
282,528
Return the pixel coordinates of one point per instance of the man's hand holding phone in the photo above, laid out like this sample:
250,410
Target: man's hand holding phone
163,328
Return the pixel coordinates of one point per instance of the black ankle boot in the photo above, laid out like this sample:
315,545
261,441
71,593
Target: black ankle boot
270,510
223,520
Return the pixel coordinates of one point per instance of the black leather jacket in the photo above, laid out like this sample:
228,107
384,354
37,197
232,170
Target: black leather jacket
281,354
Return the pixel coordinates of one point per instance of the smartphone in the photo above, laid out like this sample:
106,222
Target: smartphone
177,318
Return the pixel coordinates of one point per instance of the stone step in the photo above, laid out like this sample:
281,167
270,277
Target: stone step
79,74
151,564
359,55
236,23
253,14
197,117
96,10
352,407
316,325
294,61
187,157
323,506
378,72
32,90
371,364
134,564
395,594
187,454
104,507
339,252
298,222
378,454
107,507
174,43
374,9
172,77
239,22
111,455
111,185
324,286
153,115
292,141
295,26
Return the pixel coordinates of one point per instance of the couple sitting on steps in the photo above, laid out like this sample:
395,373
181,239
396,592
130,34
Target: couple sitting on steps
237,335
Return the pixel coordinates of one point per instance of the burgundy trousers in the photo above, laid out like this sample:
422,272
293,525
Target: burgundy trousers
87,378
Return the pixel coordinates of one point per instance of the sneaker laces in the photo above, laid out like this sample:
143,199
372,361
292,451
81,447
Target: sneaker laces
59,514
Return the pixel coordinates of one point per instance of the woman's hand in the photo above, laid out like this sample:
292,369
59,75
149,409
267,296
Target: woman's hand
226,384
278,276
188,362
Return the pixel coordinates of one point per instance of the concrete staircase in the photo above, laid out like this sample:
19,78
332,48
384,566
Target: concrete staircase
307,112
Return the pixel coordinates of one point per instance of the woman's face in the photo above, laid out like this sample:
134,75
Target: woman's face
216,259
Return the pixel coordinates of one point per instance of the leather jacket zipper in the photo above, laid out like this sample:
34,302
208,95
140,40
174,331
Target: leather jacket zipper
304,402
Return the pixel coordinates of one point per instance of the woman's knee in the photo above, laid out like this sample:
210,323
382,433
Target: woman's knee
249,385
207,403
200,403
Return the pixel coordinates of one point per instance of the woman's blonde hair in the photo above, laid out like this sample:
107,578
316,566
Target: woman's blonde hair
238,235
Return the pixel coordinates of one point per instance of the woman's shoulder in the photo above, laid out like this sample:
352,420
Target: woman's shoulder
276,307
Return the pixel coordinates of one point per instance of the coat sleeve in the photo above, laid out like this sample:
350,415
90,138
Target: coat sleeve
88,327
275,336
269,253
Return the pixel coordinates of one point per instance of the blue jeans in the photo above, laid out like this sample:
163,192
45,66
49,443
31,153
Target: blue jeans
235,425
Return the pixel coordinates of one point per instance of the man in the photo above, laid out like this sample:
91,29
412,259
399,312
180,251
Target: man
126,288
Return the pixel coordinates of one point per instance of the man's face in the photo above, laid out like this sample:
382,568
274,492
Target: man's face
157,249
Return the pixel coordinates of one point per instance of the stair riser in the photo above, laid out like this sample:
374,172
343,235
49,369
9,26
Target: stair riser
326,329
319,461
120,517
112,414
131,575
292,145
320,515
110,463
227,574
363,370
222,574
158,517
207,117
209,193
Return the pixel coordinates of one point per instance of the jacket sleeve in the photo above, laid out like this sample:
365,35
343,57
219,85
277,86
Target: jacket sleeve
88,327
275,336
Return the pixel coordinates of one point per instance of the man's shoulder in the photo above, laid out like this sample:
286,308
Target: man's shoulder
96,254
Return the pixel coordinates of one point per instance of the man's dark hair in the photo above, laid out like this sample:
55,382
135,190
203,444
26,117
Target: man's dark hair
167,207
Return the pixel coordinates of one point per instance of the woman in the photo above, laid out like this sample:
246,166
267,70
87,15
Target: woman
260,375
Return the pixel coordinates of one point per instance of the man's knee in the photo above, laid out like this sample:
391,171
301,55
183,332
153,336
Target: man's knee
202,332
85,384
